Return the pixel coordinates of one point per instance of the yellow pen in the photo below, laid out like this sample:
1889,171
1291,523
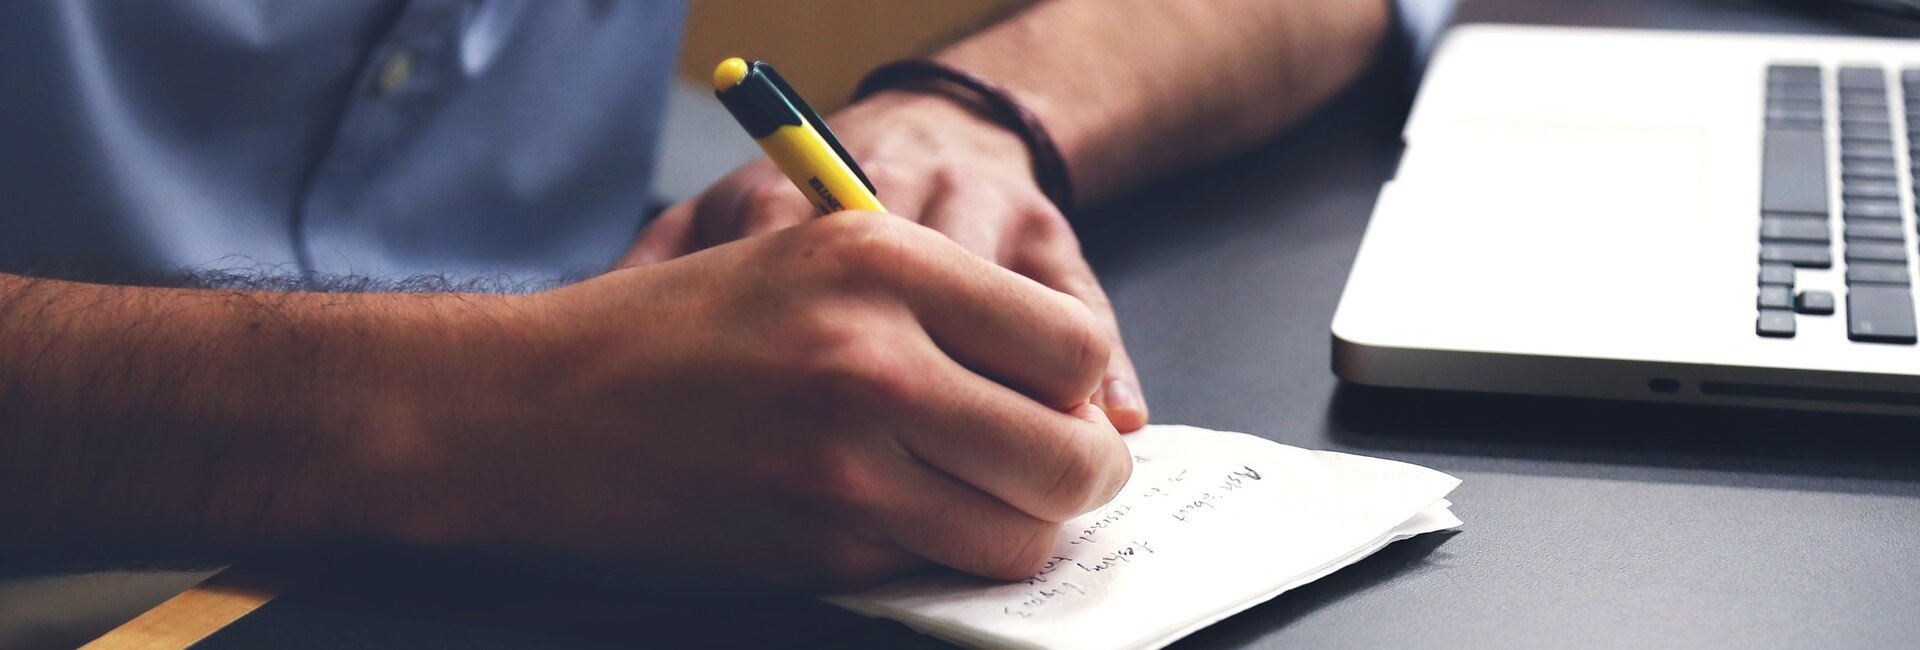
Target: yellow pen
795,137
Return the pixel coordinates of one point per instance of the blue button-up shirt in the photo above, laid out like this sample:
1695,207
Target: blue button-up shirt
493,139
473,138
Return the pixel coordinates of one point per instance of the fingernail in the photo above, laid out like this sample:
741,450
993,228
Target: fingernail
1121,396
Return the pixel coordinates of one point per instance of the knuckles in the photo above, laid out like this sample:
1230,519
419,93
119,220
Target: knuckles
888,178
950,178
861,246
847,343
1026,551
840,477
770,196
1047,226
770,206
1092,345
1088,470
861,369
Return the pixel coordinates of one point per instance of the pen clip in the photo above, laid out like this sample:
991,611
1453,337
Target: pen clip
812,118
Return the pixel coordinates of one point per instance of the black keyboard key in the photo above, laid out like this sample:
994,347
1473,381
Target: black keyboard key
1856,111
1808,256
1797,104
1774,323
1794,172
1866,139
1865,127
1873,172
1793,72
1873,251
1869,171
1797,88
1880,314
1780,274
1859,75
1793,90
1858,209
1871,190
1774,296
1862,97
1778,118
1818,303
1867,152
1881,230
1794,229
1872,273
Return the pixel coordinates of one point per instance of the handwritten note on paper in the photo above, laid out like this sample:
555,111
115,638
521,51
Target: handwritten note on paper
1211,523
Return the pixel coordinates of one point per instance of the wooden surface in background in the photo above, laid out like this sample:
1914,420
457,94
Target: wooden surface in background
185,619
824,46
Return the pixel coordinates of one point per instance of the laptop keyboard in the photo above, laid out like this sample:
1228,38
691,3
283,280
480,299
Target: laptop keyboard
1795,220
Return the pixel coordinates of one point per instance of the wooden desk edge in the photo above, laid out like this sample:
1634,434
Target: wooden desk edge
196,613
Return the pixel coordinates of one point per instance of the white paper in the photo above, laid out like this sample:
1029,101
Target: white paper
1210,524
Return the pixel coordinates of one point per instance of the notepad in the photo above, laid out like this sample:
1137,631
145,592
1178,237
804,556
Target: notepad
1210,524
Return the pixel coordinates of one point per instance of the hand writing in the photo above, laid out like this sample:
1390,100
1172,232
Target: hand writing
811,407
938,164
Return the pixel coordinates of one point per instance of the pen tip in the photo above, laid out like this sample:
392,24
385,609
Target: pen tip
729,73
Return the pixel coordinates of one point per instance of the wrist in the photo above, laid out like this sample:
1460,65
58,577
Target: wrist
989,100
930,128
443,374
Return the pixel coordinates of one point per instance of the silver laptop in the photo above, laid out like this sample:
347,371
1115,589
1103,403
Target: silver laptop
1668,216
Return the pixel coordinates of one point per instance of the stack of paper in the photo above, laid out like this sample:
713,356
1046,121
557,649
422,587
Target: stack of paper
1210,524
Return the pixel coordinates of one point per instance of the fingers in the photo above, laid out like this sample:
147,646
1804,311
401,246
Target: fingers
669,236
1050,465
906,194
767,202
956,525
845,562
757,199
1049,253
977,221
993,321
1045,250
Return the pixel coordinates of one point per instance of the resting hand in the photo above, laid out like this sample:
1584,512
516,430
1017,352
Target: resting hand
938,164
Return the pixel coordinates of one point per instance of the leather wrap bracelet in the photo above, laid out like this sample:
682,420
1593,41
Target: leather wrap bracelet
1049,167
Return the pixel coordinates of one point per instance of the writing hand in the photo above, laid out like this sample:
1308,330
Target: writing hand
936,163
812,407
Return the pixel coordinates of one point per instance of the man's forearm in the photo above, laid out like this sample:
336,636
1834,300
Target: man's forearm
167,421
1131,88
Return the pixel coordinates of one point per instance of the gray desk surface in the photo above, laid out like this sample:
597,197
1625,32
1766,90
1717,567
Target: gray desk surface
1588,523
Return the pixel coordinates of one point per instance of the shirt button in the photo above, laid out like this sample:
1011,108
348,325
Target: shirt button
395,72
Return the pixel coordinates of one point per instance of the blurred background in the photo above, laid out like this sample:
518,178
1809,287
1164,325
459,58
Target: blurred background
800,39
